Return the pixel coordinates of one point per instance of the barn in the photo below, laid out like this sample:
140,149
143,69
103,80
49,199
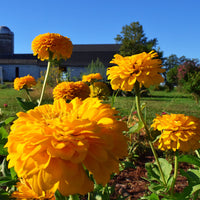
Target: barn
17,65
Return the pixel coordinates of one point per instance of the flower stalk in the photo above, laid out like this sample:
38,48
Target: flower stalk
175,171
137,99
45,79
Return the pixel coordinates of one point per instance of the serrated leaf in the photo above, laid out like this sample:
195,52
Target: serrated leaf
26,105
136,128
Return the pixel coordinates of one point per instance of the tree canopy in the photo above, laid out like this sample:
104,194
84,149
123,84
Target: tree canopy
133,41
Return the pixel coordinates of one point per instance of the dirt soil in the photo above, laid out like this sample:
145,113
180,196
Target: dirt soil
131,184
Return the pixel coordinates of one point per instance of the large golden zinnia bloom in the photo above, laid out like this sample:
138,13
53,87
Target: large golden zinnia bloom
178,132
25,192
70,90
58,45
51,145
142,67
24,82
91,77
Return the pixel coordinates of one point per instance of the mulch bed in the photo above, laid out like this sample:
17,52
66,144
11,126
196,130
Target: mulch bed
131,184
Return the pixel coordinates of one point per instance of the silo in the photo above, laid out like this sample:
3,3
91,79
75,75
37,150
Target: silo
6,41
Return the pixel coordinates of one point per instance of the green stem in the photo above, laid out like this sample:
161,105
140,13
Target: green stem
129,117
137,99
28,95
113,98
198,155
89,196
175,171
45,81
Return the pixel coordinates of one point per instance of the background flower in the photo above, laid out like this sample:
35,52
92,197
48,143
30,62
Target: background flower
178,132
51,145
60,46
70,90
24,82
100,90
91,77
142,67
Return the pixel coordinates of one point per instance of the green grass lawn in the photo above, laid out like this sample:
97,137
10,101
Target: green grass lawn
156,102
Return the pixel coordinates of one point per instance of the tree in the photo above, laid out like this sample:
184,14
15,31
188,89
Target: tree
133,40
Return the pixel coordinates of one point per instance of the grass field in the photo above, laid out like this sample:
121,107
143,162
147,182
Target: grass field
156,102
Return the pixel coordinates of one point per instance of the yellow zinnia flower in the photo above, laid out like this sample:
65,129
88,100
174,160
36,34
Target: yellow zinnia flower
140,67
100,90
24,82
178,132
70,90
91,77
25,192
51,145
58,45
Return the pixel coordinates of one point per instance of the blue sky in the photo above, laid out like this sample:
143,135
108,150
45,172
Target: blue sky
175,23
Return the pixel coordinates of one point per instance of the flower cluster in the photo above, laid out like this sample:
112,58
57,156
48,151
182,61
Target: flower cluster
51,145
178,132
70,90
142,67
91,77
24,82
45,44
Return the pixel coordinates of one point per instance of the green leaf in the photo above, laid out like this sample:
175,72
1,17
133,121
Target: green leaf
154,196
59,196
7,181
166,168
4,168
189,159
3,133
136,128
126,164
152,172
26,105
3,151
13,173
10,119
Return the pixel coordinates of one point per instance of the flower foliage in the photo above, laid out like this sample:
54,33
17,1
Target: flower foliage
142,67
24,82
70,90
51,145
58,45
178,132
24,191
100,90
91,77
